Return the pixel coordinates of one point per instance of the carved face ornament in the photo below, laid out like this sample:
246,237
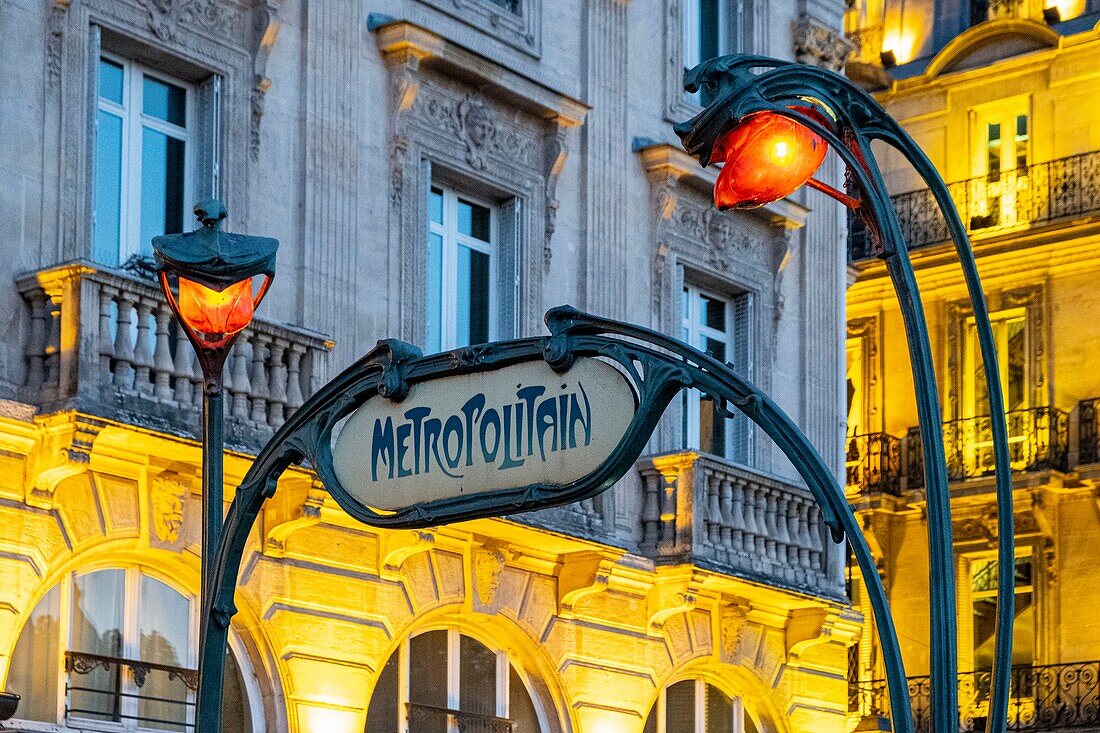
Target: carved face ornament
167,497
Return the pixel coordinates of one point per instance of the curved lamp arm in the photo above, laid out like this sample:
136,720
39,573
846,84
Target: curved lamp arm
856,120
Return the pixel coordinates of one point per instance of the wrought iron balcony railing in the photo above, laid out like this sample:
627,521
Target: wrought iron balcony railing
102,688
430,719
104,341
1088,431
873,464
703,509
1010,200
1038,439
1050,697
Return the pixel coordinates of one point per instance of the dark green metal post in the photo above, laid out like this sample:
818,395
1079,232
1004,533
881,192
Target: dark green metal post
208,716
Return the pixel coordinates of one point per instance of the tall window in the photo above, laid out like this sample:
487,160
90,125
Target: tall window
442,681
722,328
142,157
706,31
696,706
1010,337
984,580
462,261
115,646
1003,154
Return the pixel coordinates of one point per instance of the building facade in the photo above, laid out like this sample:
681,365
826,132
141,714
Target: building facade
1000,96
442,172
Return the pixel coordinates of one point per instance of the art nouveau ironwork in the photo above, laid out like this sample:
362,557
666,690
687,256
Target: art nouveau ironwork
848,119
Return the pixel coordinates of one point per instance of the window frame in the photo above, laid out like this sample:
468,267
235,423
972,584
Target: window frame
504,665
739,714
131,640
966,602
692,330
451,239
134,121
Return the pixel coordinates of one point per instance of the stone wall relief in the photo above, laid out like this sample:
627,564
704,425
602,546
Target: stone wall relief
818,45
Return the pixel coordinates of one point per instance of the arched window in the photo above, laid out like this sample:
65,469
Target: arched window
118,647
697,706
443,680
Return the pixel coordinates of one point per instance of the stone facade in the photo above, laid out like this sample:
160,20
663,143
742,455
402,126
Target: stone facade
325,124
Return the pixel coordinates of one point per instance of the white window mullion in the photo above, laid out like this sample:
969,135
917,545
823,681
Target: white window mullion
132,166
700,706
131,645
503,681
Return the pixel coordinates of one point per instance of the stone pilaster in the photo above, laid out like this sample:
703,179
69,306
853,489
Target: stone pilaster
331,139
607,146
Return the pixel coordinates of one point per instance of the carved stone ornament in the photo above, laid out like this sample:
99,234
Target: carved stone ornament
167,496
817,45
167,18
488,565
476,129
732,626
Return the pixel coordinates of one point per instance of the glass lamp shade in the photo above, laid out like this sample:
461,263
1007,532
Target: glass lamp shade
214,314
767,157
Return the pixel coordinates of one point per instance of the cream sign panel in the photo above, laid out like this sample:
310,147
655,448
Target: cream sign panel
475,433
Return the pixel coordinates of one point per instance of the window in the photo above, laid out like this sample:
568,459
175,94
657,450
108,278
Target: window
462,261
1010,337
442,681
721,328
116,647
512,6
984,579
706,25
142,158
1003,154
696,706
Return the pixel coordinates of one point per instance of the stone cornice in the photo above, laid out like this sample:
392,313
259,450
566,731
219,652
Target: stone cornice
670,160
399,40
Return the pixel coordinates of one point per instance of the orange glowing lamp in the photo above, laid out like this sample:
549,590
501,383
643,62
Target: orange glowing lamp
768,156
214,272
215,314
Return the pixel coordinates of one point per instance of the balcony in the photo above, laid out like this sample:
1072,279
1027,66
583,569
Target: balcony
701,509
1038,439
116,690
873,464
104,342
429,719
1014,200
1051,697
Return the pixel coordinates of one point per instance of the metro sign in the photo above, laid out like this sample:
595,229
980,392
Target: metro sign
485,432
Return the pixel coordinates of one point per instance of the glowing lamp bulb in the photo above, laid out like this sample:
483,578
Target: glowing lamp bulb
215,314
767,157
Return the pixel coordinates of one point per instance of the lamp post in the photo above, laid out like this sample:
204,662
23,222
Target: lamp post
213,272
771,123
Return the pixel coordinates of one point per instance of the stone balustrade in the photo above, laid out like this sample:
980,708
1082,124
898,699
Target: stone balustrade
701,509
105,342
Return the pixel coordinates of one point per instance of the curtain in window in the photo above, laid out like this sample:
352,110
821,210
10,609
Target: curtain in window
34,665
97,623
163,625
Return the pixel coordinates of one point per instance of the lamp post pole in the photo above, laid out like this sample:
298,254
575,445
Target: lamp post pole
212,271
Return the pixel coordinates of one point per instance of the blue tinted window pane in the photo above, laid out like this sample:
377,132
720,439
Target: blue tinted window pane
108,188
110,81
435,206
472,307
163,100
473,220
161,186
435,290
714,313
96,628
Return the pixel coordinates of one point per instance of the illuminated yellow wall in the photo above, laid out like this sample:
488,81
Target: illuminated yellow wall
1052,268
324,601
